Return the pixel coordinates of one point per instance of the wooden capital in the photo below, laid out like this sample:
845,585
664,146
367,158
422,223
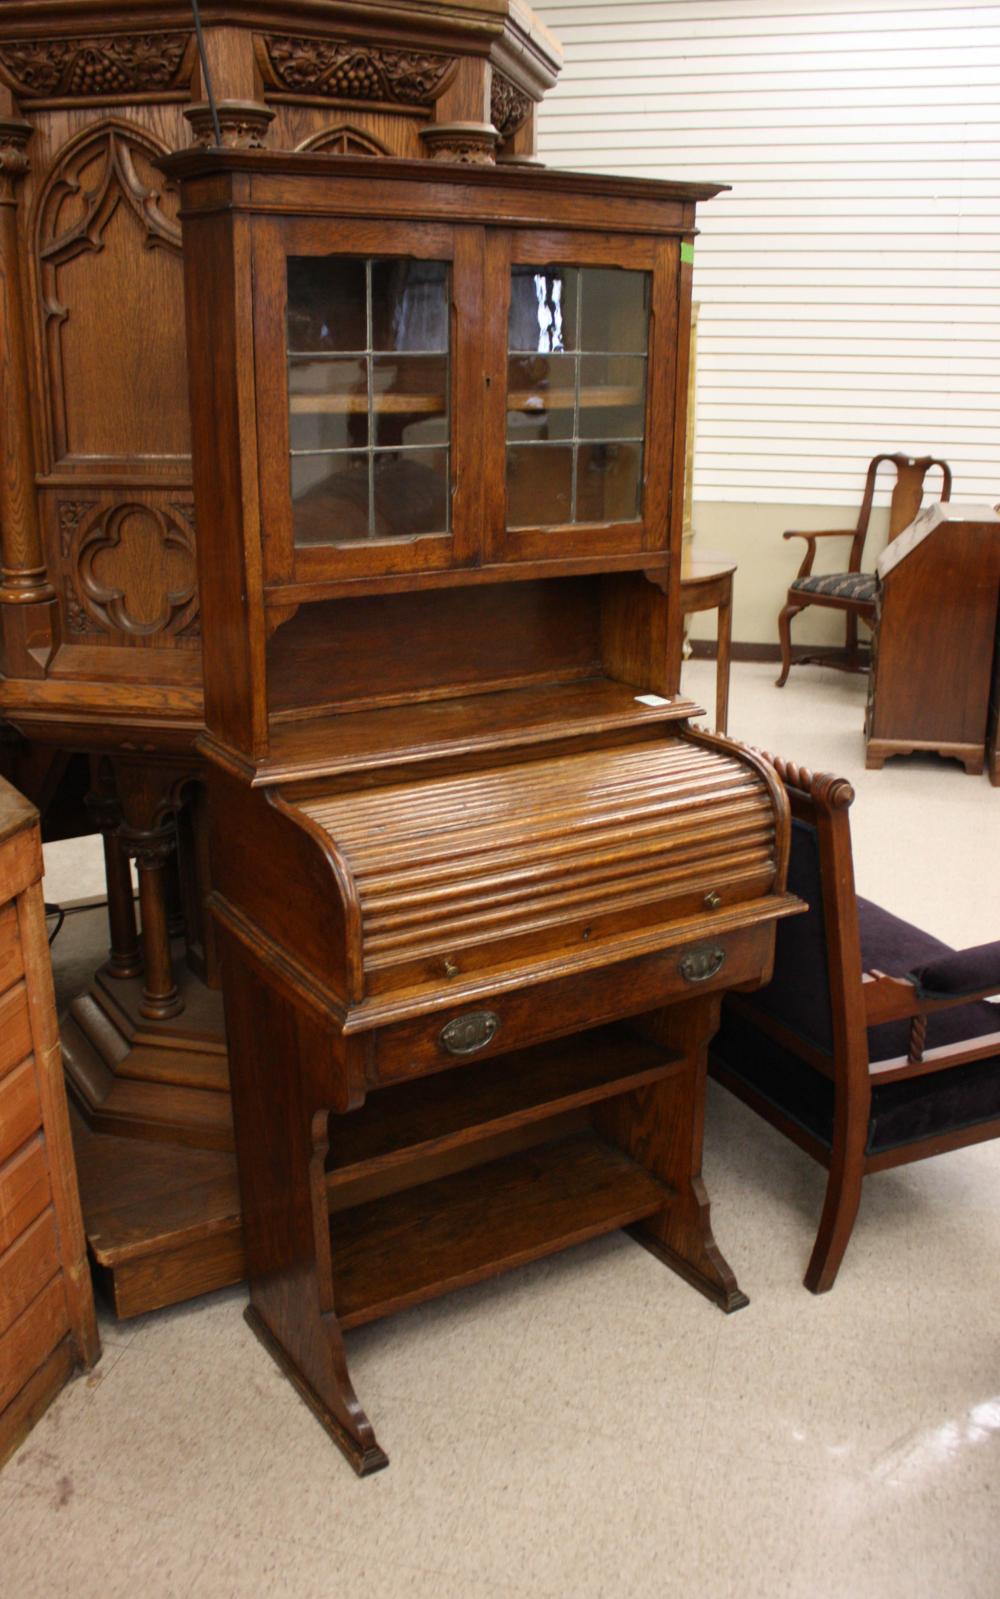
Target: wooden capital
14,164
470,143
242,123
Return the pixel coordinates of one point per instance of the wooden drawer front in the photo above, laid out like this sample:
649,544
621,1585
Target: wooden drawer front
548,1010
15,1027
11,964
27,1266
20,1108
31,1339
24,1191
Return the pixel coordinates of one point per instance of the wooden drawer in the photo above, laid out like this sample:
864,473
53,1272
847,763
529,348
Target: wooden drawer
27,1266
566,1005
20,1108
24,1190
28,1343
15,1027
11,961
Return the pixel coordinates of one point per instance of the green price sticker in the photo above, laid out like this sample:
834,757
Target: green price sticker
687,253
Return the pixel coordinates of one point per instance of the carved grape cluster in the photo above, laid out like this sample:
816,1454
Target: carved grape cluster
339,70
357,79
84,68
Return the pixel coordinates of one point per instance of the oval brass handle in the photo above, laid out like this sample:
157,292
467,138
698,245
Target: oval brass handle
463,1035
698,965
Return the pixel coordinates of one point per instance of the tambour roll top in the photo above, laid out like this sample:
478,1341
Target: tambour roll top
548,854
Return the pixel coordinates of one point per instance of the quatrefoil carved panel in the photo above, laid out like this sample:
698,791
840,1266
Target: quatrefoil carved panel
134,569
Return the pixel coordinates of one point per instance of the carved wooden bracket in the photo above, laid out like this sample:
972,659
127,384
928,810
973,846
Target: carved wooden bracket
509,105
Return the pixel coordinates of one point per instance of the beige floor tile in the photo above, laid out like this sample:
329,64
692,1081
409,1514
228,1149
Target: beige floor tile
457,1351
765,1529
61,1543
165,1431
253,1567
564,1510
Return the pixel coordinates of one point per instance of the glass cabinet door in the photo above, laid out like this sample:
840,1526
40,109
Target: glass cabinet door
583,471
368,398
577,349
366,418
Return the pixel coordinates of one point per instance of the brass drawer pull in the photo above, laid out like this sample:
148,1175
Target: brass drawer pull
700,964
463,1035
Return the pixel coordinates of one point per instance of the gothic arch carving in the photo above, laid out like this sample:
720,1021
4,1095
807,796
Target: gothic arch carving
345,139
87,261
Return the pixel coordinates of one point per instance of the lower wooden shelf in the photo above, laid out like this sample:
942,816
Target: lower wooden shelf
478,1101
411,1246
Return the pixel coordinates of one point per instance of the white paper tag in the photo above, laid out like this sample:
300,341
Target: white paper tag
652,699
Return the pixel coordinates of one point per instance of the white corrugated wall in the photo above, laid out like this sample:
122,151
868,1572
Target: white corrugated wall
850,283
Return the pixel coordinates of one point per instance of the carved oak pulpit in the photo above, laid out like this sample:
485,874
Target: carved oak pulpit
99,606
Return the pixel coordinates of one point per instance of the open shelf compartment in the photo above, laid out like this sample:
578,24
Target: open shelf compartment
412,1246
471,1103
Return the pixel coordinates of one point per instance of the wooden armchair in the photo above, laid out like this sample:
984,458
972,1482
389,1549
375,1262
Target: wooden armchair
871,1046
853,591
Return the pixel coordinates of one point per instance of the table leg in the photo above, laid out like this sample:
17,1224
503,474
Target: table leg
725,635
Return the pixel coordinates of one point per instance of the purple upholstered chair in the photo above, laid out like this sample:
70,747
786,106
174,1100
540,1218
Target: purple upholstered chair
872,1046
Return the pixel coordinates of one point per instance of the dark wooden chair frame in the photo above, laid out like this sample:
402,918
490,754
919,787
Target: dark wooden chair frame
907,496
858,1000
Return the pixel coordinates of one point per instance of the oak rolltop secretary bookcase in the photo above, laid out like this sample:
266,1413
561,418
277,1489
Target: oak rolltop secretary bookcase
479,885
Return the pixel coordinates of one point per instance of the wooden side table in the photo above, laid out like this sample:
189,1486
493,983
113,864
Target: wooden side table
709,587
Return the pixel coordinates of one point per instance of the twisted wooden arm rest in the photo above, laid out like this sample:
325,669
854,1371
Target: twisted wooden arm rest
835,793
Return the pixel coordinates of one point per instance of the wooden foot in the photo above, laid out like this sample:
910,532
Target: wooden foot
343,1419
662,1127
682,1238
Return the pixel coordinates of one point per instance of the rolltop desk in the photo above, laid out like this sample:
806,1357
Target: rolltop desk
478,884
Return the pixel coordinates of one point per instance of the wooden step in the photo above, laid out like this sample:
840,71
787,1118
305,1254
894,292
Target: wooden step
463,1106
425,1241
163,1222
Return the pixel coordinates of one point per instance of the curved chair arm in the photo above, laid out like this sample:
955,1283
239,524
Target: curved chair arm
810,538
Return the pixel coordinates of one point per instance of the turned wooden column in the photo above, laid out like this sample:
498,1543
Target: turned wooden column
124,956
23,577
152,850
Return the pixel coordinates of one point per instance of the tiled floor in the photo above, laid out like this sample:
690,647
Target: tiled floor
589,1425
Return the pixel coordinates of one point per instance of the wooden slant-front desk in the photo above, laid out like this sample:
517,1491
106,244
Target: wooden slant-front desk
479,885
934,645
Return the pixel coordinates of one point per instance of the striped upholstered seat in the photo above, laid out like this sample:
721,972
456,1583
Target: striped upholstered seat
858,586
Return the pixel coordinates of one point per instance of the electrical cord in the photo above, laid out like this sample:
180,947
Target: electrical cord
62,911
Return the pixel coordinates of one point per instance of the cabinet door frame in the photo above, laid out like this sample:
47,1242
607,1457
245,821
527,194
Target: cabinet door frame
275,239
658,256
